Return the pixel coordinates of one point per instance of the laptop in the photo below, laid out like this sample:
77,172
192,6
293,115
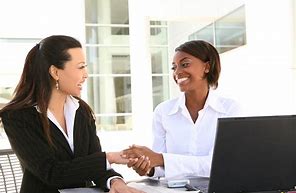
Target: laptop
252,154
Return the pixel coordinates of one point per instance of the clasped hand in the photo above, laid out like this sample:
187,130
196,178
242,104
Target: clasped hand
142,159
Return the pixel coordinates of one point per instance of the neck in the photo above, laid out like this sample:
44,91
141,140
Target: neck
196,99
57,101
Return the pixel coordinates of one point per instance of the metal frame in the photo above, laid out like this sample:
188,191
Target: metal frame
11,173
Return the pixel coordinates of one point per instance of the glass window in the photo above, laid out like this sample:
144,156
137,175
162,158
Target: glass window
231,31
158,23
114,123
158,36
159,60
206,34
108,60
160,85
107,35
91,11
106,11
226,33
109,94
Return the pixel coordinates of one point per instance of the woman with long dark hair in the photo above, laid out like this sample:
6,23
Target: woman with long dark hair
51,129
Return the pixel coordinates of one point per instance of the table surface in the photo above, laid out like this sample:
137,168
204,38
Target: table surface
147,185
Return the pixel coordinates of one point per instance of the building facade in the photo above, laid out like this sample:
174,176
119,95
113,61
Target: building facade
129,45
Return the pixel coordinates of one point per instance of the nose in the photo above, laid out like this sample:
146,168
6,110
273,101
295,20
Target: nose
178,70
85,75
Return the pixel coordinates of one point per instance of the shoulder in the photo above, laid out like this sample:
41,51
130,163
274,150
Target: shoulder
228,106
84,116
24,113
167,105
14,121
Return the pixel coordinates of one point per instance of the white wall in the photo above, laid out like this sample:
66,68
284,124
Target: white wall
34,19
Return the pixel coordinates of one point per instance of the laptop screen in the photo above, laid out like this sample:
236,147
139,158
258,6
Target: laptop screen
254,154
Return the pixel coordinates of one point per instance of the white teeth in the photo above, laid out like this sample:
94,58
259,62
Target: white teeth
180,80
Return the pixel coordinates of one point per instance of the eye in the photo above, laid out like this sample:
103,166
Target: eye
185,64
174,67
83,66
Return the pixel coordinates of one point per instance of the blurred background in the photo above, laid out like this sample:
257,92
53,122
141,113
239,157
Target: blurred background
129,46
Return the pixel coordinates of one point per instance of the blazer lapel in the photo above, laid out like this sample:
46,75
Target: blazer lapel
59,139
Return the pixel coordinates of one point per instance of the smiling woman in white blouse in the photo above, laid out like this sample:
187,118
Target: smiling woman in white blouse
184,128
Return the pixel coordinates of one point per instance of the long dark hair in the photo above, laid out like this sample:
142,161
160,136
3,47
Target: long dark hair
206,53
35,85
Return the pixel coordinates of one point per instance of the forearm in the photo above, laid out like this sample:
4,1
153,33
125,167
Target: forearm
176,164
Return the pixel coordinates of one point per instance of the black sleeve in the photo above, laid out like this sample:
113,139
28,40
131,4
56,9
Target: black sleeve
27,139
95,146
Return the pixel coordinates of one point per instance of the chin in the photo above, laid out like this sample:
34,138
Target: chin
182,89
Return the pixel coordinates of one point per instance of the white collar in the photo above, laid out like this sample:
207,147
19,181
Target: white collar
211,101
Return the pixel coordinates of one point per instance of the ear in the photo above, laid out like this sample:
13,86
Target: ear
207,67
53,71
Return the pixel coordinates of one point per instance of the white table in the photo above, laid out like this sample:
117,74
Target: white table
147,186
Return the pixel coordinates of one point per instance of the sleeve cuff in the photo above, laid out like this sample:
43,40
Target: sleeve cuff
111,178
108,165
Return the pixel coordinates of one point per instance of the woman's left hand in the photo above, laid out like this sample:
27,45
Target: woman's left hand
119,186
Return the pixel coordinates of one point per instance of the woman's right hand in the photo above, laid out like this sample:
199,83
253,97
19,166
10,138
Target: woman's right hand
116,157
141,165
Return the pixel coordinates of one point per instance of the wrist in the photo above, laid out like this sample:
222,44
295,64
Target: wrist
158,160
109,157
116,180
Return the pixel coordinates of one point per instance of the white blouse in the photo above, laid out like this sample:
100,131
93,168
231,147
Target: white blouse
187,147
70,107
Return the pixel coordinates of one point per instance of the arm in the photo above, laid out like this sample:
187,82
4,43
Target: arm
111,157
185,165
143,160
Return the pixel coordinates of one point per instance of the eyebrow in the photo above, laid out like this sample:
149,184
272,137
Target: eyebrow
82,63
182,59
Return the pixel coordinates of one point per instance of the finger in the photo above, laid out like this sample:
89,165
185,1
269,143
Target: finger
139,162
145,164
147,168
132,162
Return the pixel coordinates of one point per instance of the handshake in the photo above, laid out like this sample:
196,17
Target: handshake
140,158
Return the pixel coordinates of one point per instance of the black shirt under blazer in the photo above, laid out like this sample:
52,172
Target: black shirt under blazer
47,169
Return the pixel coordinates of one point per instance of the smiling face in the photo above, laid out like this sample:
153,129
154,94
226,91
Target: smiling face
189,72
74,74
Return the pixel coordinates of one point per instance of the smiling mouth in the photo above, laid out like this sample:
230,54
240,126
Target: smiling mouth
180,80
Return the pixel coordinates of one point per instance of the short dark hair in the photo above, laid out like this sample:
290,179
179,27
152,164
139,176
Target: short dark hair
206,53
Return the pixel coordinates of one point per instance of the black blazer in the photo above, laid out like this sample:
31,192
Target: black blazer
46,168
